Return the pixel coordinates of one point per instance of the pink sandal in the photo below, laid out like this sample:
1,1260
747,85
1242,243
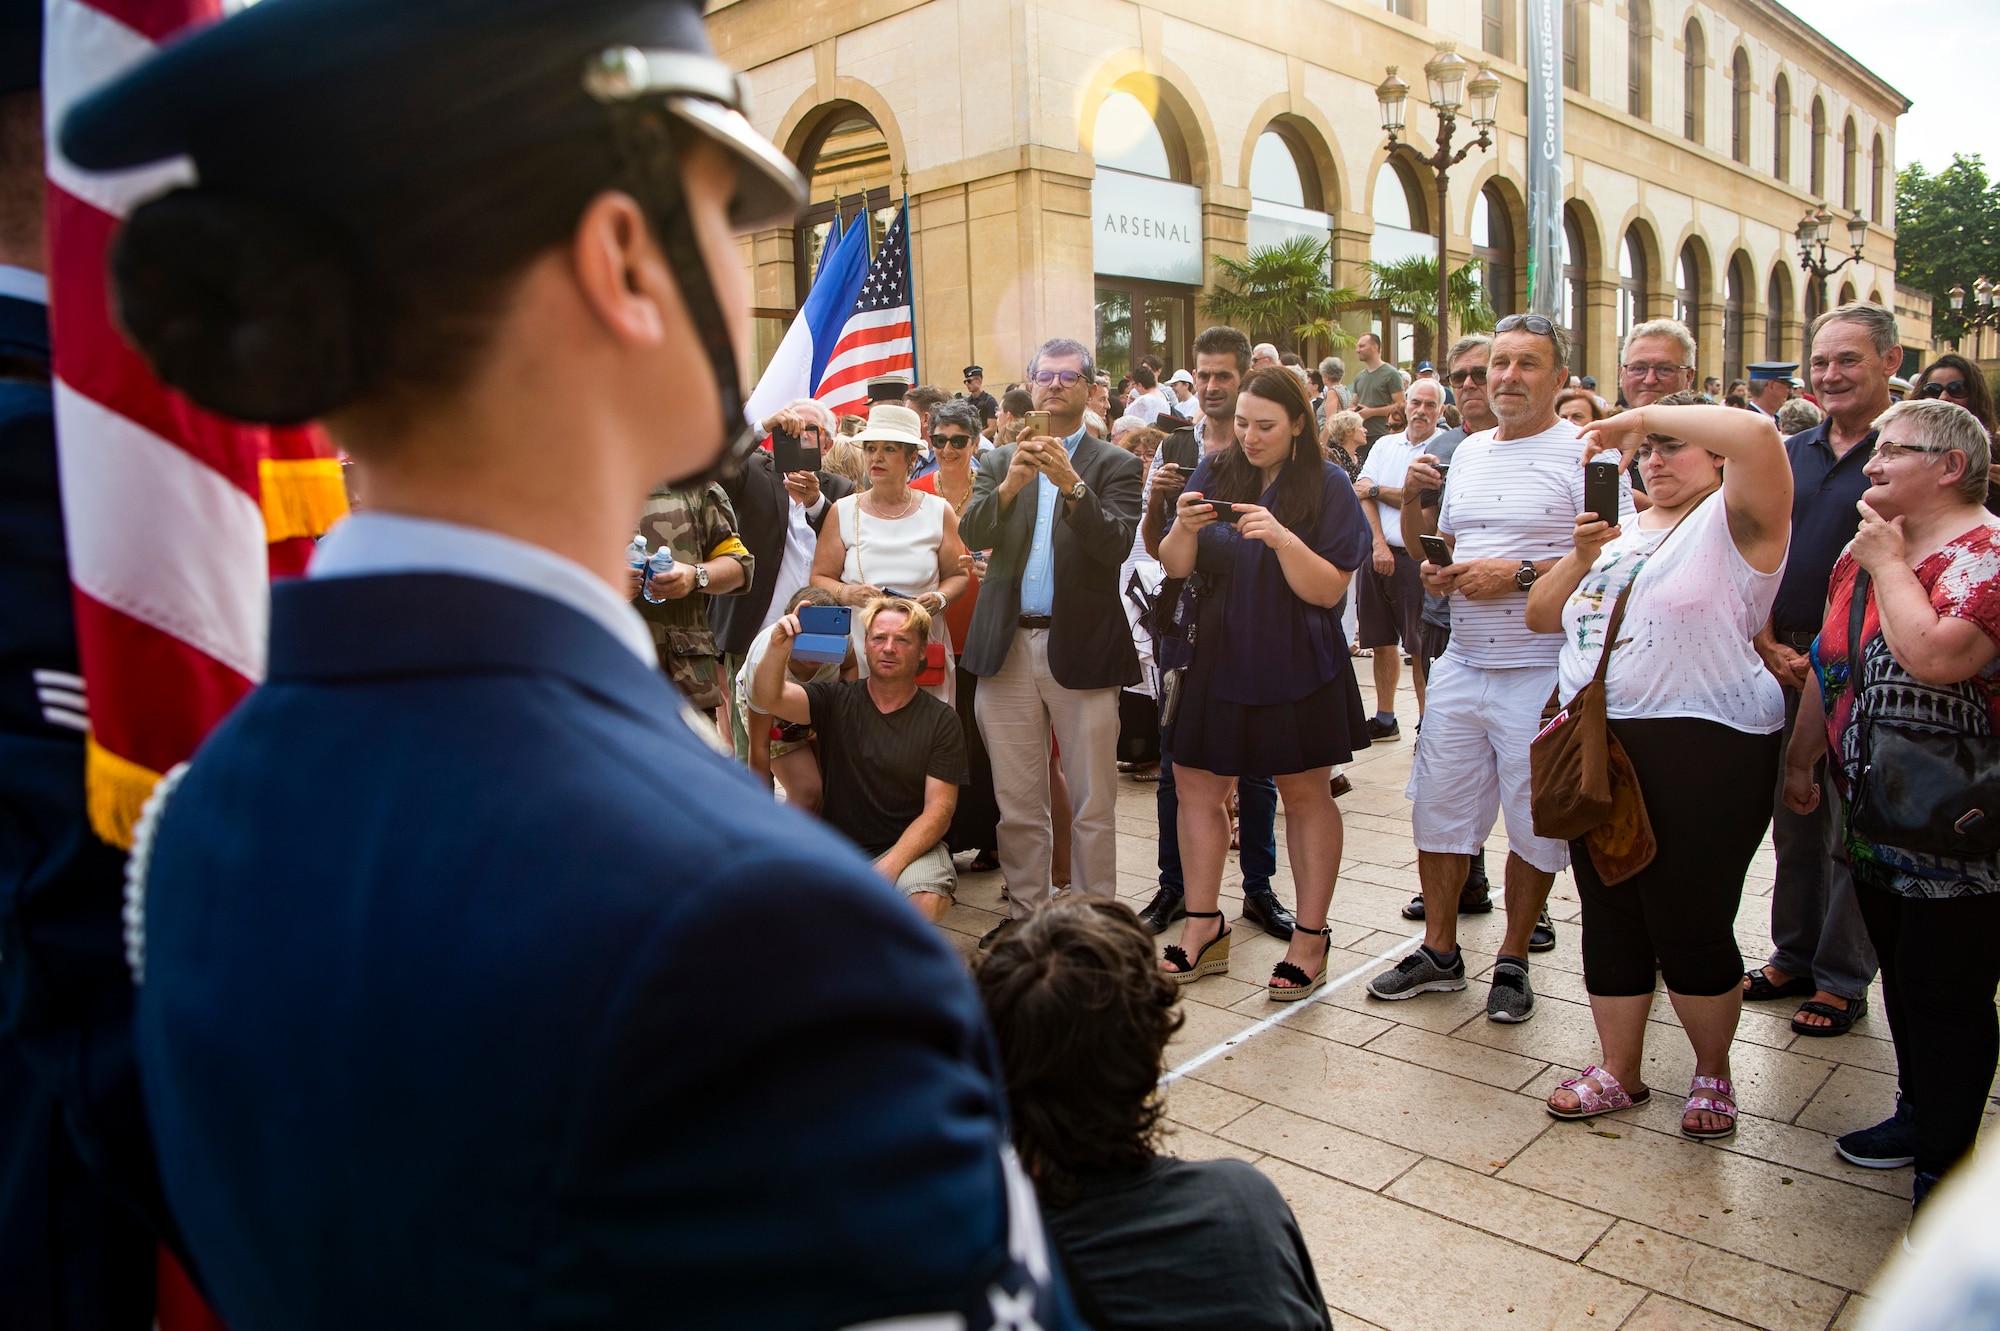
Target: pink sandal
1701,1098
1611,1098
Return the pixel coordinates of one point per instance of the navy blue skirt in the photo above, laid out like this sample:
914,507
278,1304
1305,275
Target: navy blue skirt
1323,729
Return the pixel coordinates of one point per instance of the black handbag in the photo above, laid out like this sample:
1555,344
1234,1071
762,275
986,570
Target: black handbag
1933,792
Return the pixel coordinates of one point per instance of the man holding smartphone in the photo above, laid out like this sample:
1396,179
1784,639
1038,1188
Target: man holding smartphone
1049,638
1221,360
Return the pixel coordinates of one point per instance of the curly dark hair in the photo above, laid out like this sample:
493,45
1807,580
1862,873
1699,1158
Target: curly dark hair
1979,399
1082,1013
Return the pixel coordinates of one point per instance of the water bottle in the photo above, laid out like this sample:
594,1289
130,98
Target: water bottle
635,554
661,563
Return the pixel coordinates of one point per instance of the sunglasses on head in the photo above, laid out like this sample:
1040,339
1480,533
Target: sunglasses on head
1537,324
1937,388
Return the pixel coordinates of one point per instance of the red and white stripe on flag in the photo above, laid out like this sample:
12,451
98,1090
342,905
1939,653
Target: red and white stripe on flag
176,518
876,343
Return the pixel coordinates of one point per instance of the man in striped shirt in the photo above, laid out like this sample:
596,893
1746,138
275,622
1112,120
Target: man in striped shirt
1508,515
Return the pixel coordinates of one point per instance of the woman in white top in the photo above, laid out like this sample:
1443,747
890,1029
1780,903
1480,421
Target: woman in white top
1700,718
892,540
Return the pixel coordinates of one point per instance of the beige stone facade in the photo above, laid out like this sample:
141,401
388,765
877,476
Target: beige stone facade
988,111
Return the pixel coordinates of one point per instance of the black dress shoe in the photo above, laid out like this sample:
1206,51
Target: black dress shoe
1166,906
1262,908
1383,729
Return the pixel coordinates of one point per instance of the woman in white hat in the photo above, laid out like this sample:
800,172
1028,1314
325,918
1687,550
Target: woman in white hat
892,540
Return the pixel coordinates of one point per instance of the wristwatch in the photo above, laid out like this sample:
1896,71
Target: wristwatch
1525,578
1075,493
701,577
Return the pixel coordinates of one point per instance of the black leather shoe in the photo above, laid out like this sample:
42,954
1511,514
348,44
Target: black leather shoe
1383,729
1263,909
1166,906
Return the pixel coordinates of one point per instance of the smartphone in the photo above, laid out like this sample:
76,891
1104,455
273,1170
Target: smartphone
823,633
1600,490
1436,551
1038,425
1224,510
789,454
1432,498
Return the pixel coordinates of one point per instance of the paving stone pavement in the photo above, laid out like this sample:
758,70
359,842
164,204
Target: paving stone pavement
1411,1141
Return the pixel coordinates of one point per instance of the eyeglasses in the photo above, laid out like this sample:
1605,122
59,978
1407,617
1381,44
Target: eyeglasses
1067,378
1889,451
1654,371
1937,388
1666,449
1476,375
1534,323
951,440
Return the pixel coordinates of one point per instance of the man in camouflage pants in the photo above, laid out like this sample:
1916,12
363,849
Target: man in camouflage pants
699,526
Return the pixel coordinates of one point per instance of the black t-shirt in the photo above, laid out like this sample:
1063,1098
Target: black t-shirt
1199,1245
874,763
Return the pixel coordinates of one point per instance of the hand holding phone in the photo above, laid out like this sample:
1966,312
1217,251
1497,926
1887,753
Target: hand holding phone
790,453
1038,425
1436,551
1224,511
1600,490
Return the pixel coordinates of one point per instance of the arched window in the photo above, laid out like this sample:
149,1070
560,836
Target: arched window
1817,181
846,159
1850,164
1639,60
1694,84
1735,296
1846,293
1687,289
1739,107
1493,246
1400,231
1573,45
1127,138
1284,191
1777,312
1876,167
1781,130
1631,284
1575,306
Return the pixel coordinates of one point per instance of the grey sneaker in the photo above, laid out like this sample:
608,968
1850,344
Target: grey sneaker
1510,999
1418,974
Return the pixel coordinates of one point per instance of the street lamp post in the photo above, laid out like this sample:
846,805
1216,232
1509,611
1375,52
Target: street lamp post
1815,230
1985,311
1444,75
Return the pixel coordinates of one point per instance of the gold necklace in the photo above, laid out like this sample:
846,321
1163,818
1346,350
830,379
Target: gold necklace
957,505
909,506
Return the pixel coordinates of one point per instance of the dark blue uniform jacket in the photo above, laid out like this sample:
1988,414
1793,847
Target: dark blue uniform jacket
479,991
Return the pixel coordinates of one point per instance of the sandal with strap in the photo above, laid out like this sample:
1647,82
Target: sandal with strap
1211,960
1701,1099
1299,983
1608,1098
1839,1020
1761,990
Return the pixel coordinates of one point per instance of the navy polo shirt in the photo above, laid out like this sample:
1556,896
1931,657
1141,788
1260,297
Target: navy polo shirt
1825,490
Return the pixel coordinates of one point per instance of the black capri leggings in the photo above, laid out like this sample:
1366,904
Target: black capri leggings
1708,794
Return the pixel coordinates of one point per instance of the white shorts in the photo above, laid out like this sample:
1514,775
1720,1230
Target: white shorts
1472,761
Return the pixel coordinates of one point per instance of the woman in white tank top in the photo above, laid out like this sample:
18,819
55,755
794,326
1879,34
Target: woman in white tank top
1690,702
891,539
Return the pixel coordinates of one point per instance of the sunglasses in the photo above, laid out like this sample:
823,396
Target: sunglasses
1937,388
951,440
1477,376
1067,378
1534,323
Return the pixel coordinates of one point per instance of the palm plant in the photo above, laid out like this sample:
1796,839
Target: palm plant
1281,293
1411,288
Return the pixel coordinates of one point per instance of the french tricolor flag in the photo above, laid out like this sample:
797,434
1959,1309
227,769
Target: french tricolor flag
801,359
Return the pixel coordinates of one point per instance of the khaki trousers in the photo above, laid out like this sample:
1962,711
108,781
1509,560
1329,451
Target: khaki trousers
1016,709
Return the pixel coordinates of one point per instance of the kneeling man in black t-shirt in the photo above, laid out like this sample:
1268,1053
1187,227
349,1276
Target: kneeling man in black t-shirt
892,756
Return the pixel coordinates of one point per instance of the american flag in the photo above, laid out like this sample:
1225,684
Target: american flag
879,336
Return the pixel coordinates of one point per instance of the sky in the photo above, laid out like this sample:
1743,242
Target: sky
1944,57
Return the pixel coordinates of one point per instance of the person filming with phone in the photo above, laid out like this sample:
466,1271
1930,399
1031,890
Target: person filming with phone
1275,534
1689,700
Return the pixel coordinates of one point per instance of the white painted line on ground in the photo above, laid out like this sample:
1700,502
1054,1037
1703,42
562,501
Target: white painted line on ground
1249,1033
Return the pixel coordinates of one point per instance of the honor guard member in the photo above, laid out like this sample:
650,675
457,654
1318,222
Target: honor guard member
1771,385
697,523
78,1190
475,988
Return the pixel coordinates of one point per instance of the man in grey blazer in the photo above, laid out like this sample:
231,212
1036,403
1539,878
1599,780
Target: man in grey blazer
1049,636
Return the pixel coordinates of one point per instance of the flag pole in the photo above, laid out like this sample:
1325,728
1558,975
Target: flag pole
909,278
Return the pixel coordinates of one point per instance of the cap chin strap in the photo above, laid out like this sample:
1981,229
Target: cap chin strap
646,141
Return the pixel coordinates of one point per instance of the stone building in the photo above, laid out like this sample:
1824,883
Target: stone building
1072,167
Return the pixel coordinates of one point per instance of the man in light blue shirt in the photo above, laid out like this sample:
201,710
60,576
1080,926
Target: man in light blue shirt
1049,639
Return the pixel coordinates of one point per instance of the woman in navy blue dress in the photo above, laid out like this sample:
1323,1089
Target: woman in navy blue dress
1271,691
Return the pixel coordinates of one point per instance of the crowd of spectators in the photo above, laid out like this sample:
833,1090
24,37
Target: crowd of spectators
1176,578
